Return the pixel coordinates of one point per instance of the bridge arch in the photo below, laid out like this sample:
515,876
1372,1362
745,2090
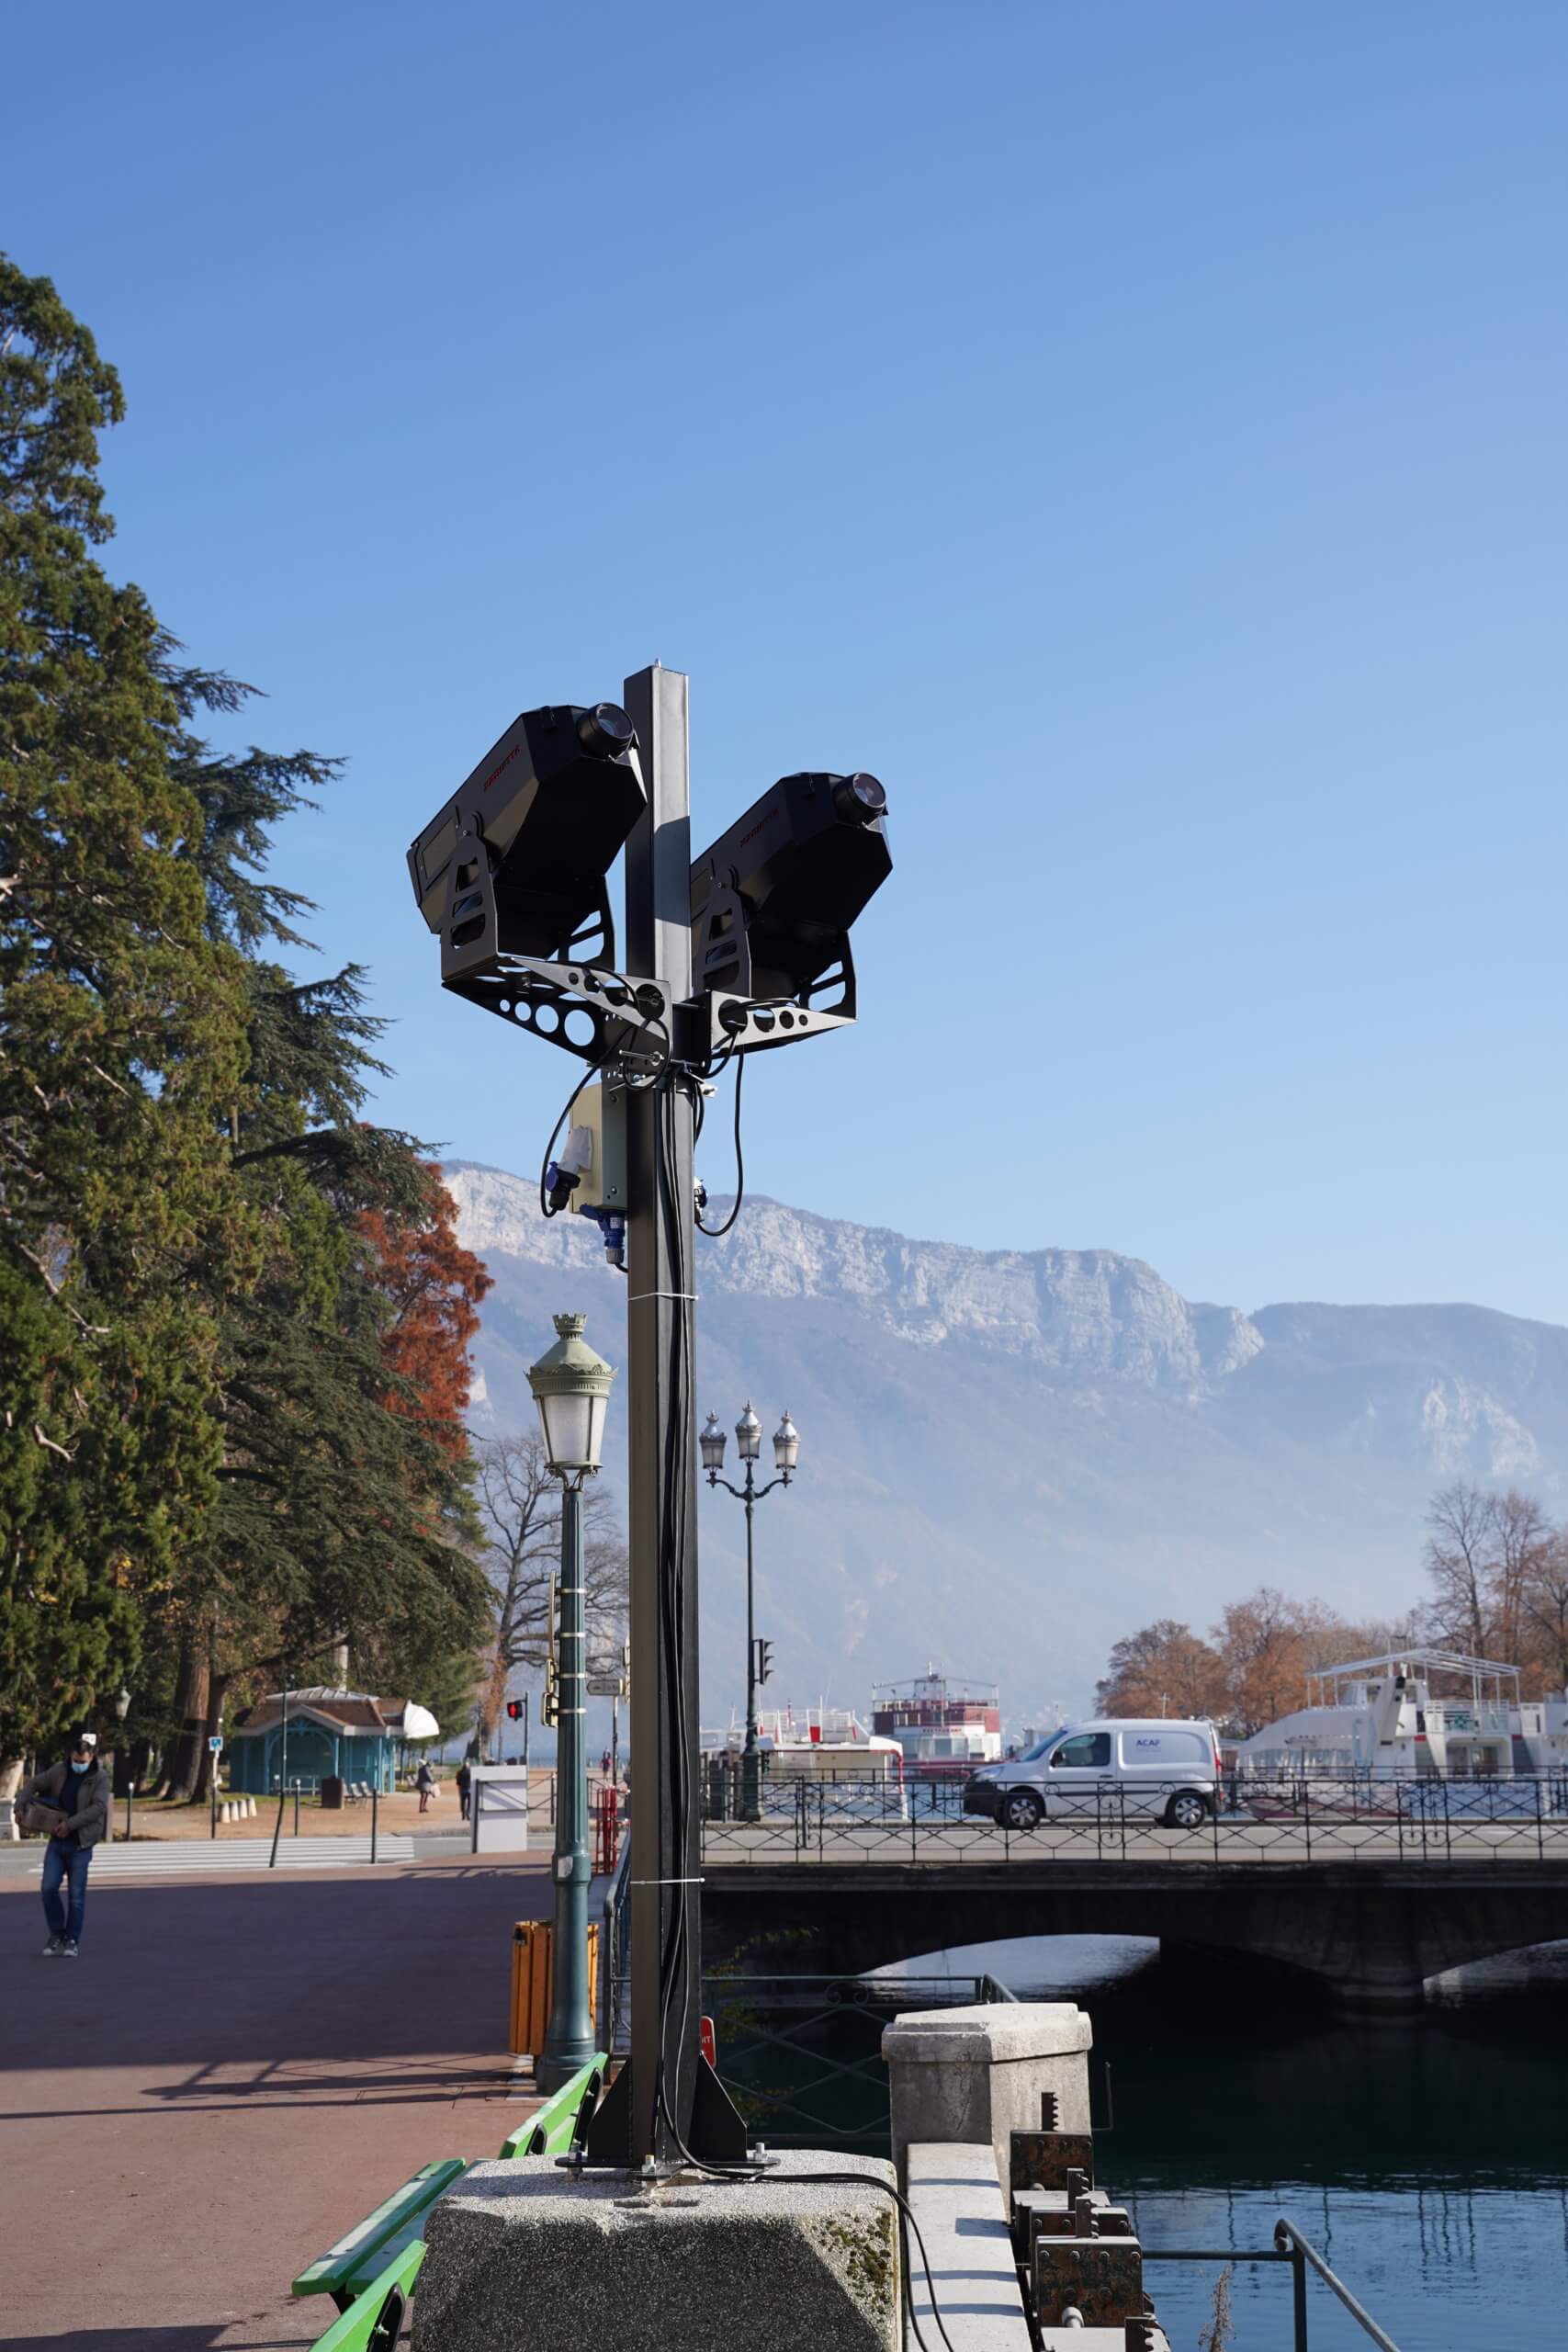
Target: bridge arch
1371,1934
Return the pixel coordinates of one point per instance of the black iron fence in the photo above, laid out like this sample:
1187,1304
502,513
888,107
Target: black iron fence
1284,1817
801,2056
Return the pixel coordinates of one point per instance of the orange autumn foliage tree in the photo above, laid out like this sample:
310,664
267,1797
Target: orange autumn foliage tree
434,1286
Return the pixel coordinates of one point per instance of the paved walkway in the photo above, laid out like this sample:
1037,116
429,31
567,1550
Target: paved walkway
201,1858
235,2071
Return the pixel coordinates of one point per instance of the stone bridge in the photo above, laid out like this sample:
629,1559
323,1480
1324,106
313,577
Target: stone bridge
1372,1930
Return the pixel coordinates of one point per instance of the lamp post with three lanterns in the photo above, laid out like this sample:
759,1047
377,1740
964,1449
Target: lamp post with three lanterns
786,1453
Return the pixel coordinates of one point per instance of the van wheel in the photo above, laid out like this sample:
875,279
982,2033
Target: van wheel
1021,1809
1187,1810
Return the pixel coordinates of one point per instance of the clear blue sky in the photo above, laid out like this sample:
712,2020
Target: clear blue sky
1136,432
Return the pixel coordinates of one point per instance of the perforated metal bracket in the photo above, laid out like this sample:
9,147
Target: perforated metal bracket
736,1024
728,1021
597,1016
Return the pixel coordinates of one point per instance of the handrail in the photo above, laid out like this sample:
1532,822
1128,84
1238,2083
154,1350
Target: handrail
1288,2239
1288,2246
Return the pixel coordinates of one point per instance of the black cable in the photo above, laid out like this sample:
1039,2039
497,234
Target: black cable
717,1232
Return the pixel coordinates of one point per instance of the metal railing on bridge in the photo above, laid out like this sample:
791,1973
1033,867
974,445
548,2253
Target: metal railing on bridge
1315,1817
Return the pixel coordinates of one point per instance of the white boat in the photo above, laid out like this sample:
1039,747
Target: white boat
1409,1715
826,1746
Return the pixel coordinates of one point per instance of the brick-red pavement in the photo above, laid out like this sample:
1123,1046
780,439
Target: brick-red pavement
234,2072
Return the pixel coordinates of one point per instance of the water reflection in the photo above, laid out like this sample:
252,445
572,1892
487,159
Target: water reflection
1426,2155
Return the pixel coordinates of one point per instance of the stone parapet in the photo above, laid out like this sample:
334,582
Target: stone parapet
961,2214
976,2075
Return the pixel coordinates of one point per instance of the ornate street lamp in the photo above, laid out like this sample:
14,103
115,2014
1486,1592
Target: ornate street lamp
572,1389
786,1455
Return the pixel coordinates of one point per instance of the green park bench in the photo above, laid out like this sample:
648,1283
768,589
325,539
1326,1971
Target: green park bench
369,2272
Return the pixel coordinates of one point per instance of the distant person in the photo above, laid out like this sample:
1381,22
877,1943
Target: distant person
463,1779
77,1789
604,1765
425,1781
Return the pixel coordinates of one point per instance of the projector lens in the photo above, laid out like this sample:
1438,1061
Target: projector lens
605,730
860,798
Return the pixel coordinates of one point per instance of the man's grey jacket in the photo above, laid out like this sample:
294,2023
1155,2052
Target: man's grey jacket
90,1795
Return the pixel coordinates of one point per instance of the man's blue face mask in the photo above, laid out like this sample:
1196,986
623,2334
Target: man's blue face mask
79,1768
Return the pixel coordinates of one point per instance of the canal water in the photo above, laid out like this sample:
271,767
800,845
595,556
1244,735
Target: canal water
1427,2157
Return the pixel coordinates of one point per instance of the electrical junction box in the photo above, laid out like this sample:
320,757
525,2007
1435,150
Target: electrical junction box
596,1148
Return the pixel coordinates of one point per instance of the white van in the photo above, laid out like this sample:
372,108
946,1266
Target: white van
1160,1770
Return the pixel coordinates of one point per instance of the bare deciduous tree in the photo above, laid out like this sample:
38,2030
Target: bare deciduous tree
520,1505
1546,1610
1462,1525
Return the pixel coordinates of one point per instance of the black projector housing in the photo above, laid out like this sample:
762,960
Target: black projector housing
514,863
773,898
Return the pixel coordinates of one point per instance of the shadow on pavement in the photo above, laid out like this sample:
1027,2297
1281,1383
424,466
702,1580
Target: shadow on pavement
277,1971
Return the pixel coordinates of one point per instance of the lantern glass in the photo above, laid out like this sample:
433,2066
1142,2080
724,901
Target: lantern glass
748,1434
712,1442
572,1389
786,1444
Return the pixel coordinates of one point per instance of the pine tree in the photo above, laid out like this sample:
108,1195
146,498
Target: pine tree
234,1315
343,1511
121,1025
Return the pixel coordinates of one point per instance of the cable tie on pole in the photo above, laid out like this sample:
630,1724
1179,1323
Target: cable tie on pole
637,1297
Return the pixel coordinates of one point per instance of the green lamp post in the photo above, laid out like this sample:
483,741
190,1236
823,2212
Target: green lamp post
572,1389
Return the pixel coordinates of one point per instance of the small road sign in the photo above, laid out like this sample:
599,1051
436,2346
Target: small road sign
215,1742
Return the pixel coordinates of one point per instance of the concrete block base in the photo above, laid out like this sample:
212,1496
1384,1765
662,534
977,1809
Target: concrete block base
524,2257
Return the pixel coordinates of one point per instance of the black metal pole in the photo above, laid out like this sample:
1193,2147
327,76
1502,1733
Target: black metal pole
374,1810
661,1444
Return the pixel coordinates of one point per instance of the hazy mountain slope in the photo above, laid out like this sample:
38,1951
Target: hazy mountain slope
1009,1458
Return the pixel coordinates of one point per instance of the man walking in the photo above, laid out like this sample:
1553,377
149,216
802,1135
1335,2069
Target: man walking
78,1790
465,1779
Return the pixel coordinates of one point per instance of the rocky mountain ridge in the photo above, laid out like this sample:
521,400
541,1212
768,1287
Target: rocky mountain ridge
1049,1446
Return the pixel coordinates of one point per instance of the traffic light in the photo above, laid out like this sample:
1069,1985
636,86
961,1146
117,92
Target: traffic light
514,1708
773,900
764,1660
516,862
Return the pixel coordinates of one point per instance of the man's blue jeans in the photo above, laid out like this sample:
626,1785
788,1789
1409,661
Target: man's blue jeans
60,1861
